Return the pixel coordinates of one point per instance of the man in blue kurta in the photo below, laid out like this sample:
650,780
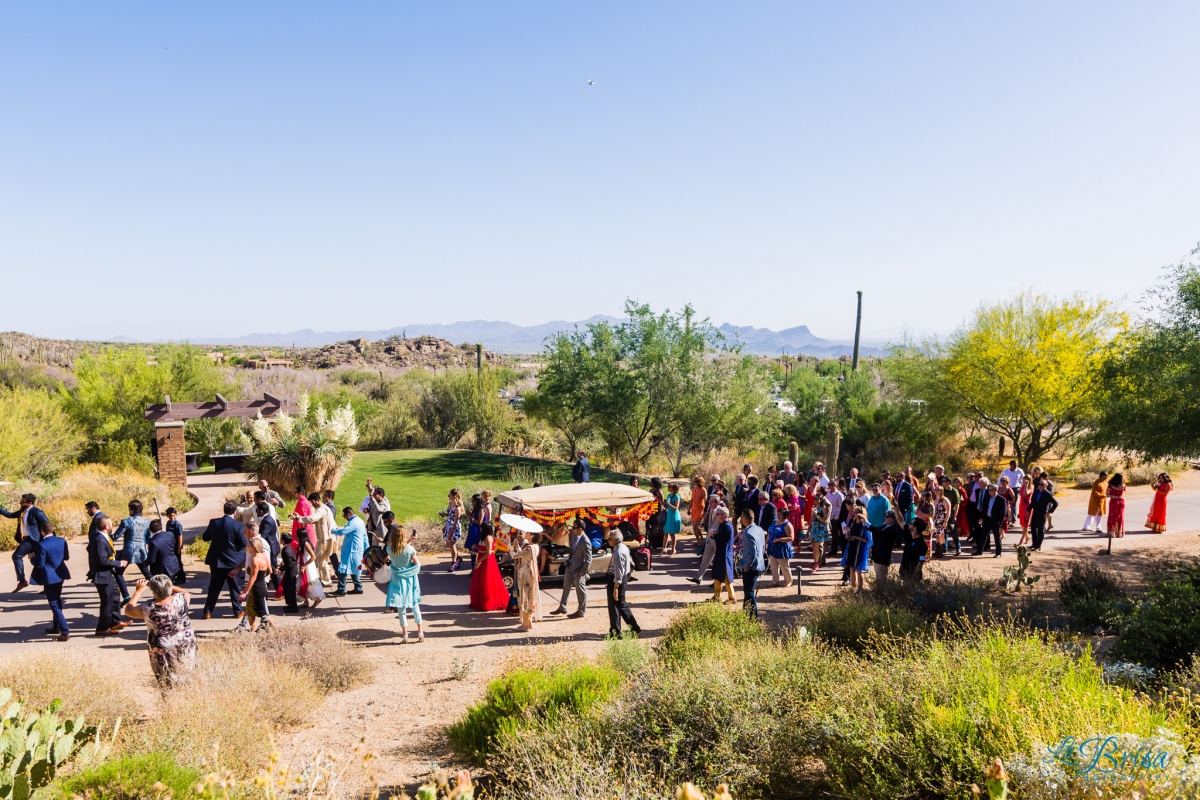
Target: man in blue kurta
354,542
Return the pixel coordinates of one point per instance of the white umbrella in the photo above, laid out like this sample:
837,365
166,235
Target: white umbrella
520,523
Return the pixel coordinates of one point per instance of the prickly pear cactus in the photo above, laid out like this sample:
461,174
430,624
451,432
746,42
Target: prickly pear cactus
33,746
1015,577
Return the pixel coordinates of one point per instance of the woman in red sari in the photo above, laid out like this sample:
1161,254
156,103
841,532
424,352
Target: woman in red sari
1157,520
302,543
488,592
1116,506
810,499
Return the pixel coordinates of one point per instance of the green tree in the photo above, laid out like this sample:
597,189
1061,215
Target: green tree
113,389
460,401
1149,387
559,400
1027,369
37,438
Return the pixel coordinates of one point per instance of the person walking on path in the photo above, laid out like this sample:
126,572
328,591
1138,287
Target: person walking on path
354,544
527,580
722,567
226,555
160,552
1157,518
575,573
711,524
404,589
1041,505
673,523
818,531
1097,502
780,550
169,635
133,532
102,567
697,505
256,584
619,570
856,559
289,573
754,544
1116,506
29,520
323,522
452,527
995,516
50,571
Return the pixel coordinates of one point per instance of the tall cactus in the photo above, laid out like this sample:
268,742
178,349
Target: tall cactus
33,746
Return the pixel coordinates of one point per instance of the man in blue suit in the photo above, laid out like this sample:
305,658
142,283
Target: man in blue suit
161,557
29,521
226,556
50,571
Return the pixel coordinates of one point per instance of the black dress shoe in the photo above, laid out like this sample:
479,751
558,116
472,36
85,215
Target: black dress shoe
53,631
575,615
355,591
557,611
62,637
694,580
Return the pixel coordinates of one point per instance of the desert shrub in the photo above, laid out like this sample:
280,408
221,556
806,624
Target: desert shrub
1093,596
197,548
786,718
627,656
694,628
393,426
313,647
130,777
311,449
523,695
37,438
1163,632
939,595
125,455
851,622
40,678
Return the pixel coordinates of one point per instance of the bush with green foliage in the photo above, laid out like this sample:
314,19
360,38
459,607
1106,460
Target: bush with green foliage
941,595
1163,632
700,624
524,696
37,438
132,777
853,622
784,717
1094,596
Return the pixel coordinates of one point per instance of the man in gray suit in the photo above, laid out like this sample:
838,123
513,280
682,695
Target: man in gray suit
579,562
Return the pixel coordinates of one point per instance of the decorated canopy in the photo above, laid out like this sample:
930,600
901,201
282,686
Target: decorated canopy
550,505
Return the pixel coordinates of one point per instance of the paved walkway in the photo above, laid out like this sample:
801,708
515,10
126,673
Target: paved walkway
24,616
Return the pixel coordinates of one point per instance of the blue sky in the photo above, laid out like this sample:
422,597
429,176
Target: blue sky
174,170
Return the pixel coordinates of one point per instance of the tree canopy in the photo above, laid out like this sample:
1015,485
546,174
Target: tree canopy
1149,401
1027,368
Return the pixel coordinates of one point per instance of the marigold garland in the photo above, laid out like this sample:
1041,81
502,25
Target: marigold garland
633,514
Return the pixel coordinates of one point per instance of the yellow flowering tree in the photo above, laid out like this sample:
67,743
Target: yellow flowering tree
1027,369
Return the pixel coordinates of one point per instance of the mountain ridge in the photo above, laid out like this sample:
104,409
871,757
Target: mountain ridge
510,338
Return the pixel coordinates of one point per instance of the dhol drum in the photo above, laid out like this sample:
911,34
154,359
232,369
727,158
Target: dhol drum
374,558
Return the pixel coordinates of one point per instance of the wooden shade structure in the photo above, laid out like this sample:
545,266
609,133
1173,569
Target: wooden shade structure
268,406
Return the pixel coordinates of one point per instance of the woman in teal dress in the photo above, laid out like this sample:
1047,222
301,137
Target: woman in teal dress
404,590
673,524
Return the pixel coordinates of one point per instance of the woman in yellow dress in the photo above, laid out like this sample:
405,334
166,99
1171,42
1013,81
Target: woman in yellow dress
527,581
1097,503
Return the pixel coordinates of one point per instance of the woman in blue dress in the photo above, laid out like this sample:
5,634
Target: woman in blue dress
673,523
779,548
722,567
857,558
404,590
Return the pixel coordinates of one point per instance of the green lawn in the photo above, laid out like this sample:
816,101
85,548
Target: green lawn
417,481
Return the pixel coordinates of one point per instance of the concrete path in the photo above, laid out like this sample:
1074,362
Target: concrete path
24,616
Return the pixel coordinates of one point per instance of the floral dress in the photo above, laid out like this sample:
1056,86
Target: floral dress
451,530
169,637
940,516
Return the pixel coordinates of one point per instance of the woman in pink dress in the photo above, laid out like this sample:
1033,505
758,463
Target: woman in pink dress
1116,506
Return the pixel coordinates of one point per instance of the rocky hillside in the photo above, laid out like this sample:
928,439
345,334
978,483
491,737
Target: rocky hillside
423,351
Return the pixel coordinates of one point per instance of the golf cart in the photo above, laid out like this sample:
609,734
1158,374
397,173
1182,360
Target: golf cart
601,506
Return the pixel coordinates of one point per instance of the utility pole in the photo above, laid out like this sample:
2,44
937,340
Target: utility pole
857,331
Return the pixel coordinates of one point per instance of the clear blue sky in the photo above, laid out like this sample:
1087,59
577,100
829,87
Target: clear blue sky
171,169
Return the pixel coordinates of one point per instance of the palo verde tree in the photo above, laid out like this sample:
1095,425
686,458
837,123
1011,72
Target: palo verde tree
1027,368
1149,391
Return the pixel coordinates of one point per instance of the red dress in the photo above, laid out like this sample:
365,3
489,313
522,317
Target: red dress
488,592
300,535
810,500
1023,509
963,528
1157,520
1116,511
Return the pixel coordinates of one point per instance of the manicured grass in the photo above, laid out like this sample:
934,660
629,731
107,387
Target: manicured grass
417,481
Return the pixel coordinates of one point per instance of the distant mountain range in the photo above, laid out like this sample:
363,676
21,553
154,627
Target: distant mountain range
505,337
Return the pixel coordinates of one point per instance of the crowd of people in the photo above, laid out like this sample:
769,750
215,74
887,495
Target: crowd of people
759,526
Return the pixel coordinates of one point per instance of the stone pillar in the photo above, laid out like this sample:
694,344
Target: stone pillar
172,453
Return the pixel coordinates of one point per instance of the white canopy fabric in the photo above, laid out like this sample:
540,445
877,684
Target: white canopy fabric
575,495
